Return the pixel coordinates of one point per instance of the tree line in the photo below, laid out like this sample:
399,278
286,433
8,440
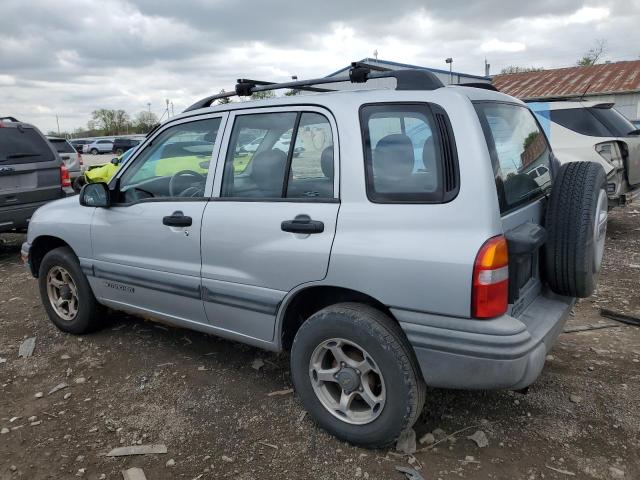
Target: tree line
111,122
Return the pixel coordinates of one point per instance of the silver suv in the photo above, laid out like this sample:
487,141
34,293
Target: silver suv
404,246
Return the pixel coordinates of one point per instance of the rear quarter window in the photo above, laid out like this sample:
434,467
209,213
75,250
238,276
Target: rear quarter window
519,151
409,154
23,145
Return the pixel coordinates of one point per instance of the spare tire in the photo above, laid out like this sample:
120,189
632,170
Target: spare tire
576,224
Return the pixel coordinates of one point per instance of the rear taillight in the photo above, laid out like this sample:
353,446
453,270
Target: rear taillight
490,295
65,179
80,160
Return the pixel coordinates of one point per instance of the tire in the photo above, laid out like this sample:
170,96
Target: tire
78,183
119,152
402,396
94,151
89,312
576,223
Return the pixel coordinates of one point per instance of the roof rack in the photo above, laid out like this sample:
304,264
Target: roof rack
484,86
358,73
11,119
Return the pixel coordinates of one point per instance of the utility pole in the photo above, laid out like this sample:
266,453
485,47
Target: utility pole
168,112
58,122
450,62
149,105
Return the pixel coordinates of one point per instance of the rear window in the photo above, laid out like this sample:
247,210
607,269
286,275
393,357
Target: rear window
580,120
23,145
62,146
403,154
614,121
519,151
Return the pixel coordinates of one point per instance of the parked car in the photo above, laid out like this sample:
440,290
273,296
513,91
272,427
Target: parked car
79,143
596,132
121,145
99,145
71,158
31,173
380,272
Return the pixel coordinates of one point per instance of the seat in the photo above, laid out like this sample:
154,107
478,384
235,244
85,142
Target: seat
267,172
393,163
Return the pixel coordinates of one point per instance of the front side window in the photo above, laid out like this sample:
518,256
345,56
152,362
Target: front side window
265,149
174,164
402,158
518,149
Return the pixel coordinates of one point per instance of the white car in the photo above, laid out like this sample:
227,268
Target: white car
99,145
597,132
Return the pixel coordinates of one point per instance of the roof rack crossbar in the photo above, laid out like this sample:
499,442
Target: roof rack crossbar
358,73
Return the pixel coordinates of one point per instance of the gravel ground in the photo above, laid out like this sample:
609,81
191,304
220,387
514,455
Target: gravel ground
136,382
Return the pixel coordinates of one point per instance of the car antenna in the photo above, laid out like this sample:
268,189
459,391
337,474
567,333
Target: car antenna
585,92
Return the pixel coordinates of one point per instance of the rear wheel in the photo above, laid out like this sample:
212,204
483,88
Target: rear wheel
356,374
119,152
94,151
66,294
576,225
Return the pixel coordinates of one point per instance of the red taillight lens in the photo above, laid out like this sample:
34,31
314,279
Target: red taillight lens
490,295
65,179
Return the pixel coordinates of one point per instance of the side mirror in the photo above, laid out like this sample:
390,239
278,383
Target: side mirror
115,160
95,195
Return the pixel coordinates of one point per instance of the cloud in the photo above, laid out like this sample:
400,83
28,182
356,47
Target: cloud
74,56
495,45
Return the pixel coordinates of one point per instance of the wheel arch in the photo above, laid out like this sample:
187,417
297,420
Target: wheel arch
40,247
303,303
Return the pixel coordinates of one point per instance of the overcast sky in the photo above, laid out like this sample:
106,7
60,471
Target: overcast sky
69,57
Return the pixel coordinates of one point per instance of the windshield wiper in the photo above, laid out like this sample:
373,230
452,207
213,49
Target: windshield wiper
23,155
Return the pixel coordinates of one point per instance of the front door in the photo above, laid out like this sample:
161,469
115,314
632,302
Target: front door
272,225
146,248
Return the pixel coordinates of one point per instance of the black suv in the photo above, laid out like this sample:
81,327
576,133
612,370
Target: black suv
121,145
31,173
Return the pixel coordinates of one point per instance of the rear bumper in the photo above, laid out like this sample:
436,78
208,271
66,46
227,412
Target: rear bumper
17,217
503,353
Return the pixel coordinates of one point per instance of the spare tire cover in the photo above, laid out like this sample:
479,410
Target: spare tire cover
576,223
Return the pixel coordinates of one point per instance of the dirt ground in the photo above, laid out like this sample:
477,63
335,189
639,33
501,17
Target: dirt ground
135,382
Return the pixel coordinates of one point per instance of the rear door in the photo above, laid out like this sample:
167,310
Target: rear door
518,147
262,236
29,167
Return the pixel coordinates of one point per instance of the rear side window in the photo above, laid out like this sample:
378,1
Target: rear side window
580,120
616,123
62,146
409,154
280,155
519,151
23,145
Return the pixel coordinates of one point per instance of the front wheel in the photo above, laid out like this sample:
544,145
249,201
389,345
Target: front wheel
66,294
94,151
357,375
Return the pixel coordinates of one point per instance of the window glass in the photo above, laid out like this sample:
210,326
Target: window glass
617,124
581,121
257,155
62,146
23,145
518,148
174,164
401,155
312,162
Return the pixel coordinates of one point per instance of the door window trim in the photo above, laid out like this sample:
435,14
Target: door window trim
299,110
115,181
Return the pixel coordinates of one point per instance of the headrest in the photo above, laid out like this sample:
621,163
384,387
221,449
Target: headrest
268,171
393,157
326,162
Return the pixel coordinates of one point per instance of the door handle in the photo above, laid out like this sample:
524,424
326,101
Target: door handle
302,224
177,219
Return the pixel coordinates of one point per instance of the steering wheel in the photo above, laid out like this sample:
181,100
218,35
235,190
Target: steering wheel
192,189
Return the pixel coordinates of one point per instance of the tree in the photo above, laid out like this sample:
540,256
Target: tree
263,95
594,54
111,122
145,121
291,93
225,100
518,69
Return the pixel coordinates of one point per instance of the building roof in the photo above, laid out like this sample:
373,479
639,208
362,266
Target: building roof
396,66
606,78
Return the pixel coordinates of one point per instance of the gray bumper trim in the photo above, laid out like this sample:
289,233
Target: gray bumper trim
506,352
